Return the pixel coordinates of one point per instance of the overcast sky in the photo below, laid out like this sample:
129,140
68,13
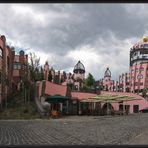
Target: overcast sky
99,35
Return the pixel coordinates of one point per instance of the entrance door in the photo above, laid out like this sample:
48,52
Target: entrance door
136,108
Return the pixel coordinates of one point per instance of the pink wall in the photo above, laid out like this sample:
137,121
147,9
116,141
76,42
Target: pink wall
81,95
135,72
52,89
141,102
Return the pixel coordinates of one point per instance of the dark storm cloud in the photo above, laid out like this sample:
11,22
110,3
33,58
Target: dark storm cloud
58,29
84,25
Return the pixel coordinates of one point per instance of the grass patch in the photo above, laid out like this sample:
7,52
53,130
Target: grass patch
20,111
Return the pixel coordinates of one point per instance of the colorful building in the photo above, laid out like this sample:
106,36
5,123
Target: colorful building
124,82
139,66
107,83
137,78
12,68
19,64
5,69
75,80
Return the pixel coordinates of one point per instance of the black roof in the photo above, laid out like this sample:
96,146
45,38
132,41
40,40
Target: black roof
107,73
79,66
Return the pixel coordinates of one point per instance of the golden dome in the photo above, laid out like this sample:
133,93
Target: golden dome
145,39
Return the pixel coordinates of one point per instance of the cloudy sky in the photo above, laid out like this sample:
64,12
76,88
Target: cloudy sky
99,35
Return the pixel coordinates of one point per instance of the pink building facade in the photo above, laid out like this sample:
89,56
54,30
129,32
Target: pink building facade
11,69
107,83
5,69
75,80
52,89
18,68
137,78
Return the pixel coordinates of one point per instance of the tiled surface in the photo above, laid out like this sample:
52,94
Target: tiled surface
74,130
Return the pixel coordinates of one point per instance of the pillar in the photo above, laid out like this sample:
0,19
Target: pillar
80,108
61,107
67,105
94,105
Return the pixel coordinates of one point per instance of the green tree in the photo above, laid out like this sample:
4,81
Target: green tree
50,75
32,74
41,74
89,80
144,92
34,67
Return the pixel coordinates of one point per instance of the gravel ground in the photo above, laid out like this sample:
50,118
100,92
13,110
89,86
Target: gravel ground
74,130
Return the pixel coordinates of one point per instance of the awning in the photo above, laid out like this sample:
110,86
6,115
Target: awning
90,100
112,98
56,99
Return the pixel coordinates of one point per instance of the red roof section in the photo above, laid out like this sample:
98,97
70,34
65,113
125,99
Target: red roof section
52,89
82,95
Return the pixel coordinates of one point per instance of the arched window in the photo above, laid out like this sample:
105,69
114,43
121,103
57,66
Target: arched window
140,76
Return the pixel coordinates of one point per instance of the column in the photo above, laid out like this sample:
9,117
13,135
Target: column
67,107
94,105
79,108
61,107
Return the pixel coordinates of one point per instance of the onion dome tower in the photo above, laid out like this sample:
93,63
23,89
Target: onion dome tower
79,71
79,68
139,52
79,75
107,80
107,73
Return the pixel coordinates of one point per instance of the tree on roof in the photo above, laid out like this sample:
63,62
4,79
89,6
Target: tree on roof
50,75
144,92
90,80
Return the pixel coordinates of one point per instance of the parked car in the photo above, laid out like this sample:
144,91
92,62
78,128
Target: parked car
145,110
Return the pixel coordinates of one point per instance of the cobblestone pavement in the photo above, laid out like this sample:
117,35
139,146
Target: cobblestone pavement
73,130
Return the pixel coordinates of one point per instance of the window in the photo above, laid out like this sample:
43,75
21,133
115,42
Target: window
1,52
135,54
16,58
23,67
136,69
19,66
8,62
127,83
14,66
141,68
140,76
136,83
0,77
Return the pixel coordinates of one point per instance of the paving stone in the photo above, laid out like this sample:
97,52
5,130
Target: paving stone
73,130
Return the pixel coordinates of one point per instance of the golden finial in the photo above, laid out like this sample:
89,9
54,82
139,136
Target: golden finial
145,39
